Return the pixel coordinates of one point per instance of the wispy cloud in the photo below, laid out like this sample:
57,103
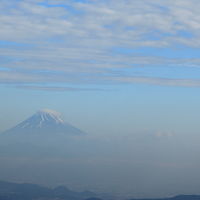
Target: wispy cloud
74,42
160,81
57,88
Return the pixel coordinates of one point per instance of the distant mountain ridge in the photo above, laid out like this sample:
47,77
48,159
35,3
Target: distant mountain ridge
178,197
25,191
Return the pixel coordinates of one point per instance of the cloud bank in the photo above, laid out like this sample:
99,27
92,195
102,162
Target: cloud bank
100,42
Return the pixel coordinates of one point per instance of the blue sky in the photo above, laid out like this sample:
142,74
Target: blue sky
111,67
100,56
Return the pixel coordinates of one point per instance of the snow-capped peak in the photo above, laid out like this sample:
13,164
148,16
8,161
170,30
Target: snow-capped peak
47,114
45,121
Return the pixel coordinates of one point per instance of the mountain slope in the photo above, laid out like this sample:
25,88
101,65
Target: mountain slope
44,134
44,122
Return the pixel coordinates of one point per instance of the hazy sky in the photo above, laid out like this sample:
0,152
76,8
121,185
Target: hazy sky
114,68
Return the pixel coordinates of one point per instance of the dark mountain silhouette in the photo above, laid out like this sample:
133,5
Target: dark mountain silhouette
25,191
179,197
94,198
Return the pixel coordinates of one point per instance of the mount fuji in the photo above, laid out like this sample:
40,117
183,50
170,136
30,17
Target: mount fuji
44,133
44,122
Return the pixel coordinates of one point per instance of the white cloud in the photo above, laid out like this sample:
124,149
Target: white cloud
165,134
78,38
160,81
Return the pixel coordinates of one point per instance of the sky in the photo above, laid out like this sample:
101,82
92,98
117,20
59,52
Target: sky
113,68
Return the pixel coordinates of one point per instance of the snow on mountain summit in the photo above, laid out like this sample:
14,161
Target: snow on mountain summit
45,121
49,115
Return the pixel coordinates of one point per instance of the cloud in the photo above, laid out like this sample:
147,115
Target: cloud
115,22
75,42
160,81
164,134
57,88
